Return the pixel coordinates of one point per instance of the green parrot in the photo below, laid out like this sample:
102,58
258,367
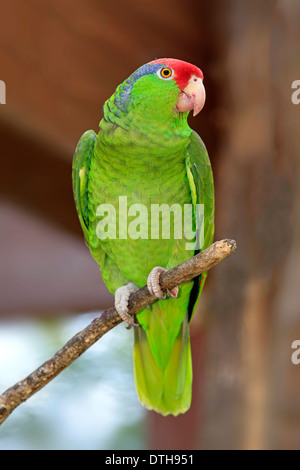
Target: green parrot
132,183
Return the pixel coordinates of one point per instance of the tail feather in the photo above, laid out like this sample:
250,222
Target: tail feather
168,389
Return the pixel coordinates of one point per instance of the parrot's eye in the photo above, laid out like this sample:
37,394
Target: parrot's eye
165,73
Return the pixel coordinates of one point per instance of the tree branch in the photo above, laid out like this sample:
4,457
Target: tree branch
182,273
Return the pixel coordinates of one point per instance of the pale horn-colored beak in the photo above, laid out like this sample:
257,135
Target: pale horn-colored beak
192,97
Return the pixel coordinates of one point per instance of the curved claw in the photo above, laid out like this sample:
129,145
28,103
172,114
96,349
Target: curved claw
153,282
122,295
173,293
154,286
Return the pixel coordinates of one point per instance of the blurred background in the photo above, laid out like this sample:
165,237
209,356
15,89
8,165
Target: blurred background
60,61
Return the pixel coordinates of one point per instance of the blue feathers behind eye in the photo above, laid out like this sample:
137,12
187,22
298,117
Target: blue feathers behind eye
123,92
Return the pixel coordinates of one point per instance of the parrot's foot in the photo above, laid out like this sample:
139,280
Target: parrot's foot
154,286
122,295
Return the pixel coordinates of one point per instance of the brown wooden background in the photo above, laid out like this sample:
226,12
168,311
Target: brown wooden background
60,61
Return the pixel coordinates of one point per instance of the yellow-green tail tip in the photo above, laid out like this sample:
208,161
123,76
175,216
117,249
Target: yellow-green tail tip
165,390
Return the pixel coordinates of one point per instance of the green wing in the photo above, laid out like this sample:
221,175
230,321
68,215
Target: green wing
201,183
80,177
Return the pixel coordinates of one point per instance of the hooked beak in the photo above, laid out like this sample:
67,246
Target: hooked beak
192,97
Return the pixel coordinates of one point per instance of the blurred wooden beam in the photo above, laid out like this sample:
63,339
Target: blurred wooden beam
254,202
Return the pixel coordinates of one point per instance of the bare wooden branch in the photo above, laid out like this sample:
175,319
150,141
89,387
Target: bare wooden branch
79,343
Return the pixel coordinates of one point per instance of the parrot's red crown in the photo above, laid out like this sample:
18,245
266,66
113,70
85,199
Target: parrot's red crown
183,71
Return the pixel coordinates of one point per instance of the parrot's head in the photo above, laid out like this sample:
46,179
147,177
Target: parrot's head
187,79
161,90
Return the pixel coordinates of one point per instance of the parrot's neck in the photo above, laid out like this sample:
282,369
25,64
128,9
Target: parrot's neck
140,152
147,127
